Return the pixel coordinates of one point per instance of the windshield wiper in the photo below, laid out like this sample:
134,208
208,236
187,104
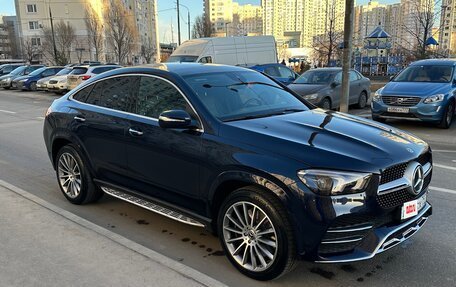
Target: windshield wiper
277,113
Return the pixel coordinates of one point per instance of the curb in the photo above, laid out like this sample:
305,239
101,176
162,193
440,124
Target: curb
180,268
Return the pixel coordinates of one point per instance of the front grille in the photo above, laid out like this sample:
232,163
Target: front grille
52,82
337,248
397,198
398,115
401,101
393,173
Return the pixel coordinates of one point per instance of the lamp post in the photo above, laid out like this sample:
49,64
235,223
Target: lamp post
226,28
188,20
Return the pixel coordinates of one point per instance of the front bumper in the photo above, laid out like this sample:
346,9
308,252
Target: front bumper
5,84
41,87
382,239
419,112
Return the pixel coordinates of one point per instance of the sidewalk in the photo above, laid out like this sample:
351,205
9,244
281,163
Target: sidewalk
43,245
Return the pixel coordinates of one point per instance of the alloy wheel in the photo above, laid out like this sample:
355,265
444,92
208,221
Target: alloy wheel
250,236
69,174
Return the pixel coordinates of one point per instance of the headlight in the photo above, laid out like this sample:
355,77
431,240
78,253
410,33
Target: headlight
311,97
434,99
8,80
378,95
326,182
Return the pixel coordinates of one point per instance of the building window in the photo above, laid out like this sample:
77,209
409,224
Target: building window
33,25
31,8
36,41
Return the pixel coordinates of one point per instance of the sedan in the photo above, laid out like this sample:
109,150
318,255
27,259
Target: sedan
43,84
323,87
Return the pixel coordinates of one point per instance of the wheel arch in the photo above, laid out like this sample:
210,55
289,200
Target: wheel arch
229,181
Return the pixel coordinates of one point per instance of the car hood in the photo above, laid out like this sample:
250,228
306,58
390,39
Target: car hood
21,78
328,140
58,78
9,76
42,80
415,88
305,89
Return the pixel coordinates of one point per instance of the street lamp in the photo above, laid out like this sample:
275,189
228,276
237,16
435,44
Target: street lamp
188,19
226,28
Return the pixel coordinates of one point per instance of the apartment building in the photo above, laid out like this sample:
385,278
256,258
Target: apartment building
229,18
34,16
9,36
367,18
300,21
447,35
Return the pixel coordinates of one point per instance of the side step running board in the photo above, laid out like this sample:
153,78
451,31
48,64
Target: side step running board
152,207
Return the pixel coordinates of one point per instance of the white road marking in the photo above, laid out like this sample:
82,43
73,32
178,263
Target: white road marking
454,160
443,150
445,166
446,190
7,112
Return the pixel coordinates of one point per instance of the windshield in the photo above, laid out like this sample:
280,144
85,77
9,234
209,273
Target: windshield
237,95
182,59
37,72
431,74
63,72
316,77
17,71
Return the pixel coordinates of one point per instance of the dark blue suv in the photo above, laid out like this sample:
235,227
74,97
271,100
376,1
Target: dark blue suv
229,149
278,72
424,91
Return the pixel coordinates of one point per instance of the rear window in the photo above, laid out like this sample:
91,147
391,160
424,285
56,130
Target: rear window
78,71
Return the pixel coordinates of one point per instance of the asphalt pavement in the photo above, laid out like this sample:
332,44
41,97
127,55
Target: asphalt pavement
427,259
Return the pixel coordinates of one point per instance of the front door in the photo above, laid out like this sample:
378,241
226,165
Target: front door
164,163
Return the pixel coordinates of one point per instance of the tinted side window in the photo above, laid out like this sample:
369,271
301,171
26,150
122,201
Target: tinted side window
115,93
81,96
48,73
156,96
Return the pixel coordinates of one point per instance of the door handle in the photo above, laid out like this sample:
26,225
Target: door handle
79,119
134,132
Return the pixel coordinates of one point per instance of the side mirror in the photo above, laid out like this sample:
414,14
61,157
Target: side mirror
391,78
334,84
174,119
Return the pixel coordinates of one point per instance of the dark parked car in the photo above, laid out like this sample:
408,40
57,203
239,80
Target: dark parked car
425,91
6,81
5,69
229,149
29,81
322,87
278,72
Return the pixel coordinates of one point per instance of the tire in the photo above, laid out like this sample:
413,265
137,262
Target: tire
448,116
362,100
325,104
71,172
378,119
239,252
33,86
6,88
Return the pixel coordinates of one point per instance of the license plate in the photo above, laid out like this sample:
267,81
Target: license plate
411,208
398,110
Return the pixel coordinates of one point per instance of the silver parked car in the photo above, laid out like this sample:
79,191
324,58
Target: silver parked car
323,87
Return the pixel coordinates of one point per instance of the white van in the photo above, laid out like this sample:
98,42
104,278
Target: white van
242,51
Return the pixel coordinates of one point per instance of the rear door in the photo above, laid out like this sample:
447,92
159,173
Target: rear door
355,87
164,163
99,120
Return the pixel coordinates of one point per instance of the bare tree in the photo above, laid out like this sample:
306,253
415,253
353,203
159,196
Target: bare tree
64,35
418,26
121,30
326,45
201,28
94,27
148,50
30,50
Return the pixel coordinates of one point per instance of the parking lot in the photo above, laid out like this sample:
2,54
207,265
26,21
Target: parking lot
425,260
